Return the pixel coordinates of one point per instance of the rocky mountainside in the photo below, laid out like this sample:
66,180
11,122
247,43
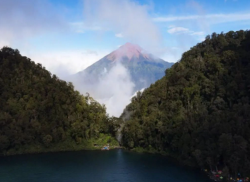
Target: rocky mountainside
143,67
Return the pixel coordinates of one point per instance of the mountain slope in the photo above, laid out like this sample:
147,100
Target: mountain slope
199,111
143,67
39,112
117,76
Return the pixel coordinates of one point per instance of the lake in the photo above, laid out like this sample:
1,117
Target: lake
95,166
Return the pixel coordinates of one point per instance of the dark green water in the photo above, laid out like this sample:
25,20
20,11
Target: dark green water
94,166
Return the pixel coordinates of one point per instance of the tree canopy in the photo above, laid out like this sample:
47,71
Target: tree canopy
199,112
37,109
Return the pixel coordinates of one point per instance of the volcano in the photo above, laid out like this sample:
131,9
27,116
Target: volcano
115,78
143,67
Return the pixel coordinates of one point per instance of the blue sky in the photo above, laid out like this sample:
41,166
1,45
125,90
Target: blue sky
66,36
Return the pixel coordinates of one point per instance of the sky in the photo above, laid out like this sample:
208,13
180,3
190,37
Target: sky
66,36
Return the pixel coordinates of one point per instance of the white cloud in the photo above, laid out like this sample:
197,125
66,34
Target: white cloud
172,58
178,30
119,35
22,19
115,86
211,18
126,16
89,52
198,33
64,63
4,43
182,30
81,27
172,54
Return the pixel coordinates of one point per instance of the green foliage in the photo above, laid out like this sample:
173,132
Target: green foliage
39,112
104,139
199,111
47,139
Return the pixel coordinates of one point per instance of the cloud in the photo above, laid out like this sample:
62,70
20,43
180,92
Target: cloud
211,18
198,33
119,35
81,27
126,16
172,54
89,52
114,88
118,88
65,63
20,19
182,30
4,43
178,30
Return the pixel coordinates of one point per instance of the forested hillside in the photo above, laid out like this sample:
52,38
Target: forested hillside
39,112
199,112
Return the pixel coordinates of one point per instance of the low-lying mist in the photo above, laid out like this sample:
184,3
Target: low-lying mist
114,88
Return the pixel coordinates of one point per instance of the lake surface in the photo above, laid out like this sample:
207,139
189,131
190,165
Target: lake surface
95,166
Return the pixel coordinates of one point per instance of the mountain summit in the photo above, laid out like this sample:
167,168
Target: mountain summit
144,68
129,51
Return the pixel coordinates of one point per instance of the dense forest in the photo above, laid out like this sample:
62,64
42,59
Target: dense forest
39,112
199,112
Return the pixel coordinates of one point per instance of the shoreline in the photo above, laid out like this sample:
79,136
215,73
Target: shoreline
57,151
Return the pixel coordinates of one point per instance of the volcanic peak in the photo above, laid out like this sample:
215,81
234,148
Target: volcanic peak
128,50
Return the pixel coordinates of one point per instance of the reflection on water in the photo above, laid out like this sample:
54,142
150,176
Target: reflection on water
94,166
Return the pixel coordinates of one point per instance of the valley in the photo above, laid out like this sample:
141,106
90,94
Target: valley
197,113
